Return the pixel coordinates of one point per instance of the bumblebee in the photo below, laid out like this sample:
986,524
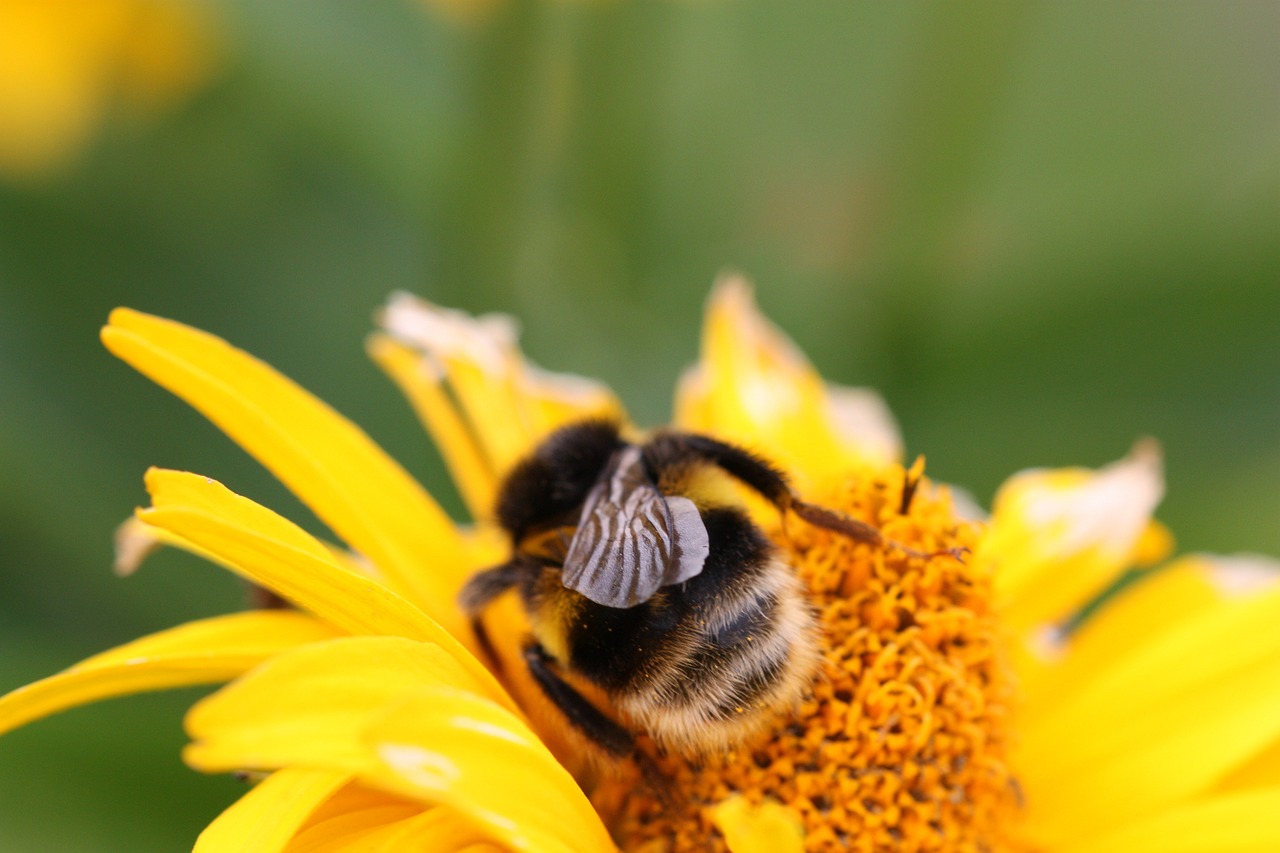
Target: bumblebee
643,576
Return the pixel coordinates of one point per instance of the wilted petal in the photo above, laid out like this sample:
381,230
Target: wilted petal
1058,538
476,390
754,386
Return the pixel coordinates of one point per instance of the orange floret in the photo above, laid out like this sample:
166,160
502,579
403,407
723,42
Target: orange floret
902,743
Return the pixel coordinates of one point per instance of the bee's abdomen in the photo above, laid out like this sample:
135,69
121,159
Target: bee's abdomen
728,673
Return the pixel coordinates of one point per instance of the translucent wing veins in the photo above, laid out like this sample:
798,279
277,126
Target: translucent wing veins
631,539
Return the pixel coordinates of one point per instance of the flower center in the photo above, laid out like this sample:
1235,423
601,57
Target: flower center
902,743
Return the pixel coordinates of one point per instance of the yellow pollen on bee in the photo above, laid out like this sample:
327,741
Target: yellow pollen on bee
902,741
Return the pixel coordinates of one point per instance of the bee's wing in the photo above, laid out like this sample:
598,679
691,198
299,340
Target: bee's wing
632,540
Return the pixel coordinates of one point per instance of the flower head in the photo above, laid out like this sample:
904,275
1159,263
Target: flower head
962,701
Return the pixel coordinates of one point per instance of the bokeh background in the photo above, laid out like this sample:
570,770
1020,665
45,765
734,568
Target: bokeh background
1042,231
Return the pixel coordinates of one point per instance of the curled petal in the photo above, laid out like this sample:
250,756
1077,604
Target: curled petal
434,828
352,809
406,718
268,816
276,554
456,748
308,707
333,467
203,652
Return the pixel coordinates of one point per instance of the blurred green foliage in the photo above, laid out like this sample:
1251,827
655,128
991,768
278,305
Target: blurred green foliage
1040,230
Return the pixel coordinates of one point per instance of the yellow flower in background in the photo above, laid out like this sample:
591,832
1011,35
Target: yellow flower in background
954,710
65,64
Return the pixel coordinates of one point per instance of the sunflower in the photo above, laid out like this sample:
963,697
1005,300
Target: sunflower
962,704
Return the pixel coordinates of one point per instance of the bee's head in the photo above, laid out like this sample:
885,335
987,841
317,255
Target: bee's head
547,488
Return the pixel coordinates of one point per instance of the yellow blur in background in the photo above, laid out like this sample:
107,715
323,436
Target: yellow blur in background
1040,231
66,65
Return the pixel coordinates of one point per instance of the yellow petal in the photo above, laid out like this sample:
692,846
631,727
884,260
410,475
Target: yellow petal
1058,538
1171,663
1260,771
389,710
1156,761
555,399
264,819
350,830
167,52
1163,724
355,798
337,470
437,828
203,652
501,404
529,401
309,707
754,386
1239,823
767,828
417,378
280,556
478,356
1155,603
135,541
1240,575
459,749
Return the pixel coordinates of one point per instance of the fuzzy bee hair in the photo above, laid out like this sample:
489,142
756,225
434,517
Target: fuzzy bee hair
643,576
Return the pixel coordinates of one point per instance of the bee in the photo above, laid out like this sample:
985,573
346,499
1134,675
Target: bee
643,576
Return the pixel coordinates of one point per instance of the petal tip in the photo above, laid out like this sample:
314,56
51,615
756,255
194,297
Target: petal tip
486,340
134,541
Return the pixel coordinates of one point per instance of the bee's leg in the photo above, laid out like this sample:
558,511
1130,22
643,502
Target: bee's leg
759,475
677,449
480,591
581,714
755,473
589,720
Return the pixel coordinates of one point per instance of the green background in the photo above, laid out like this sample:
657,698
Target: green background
1040,230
